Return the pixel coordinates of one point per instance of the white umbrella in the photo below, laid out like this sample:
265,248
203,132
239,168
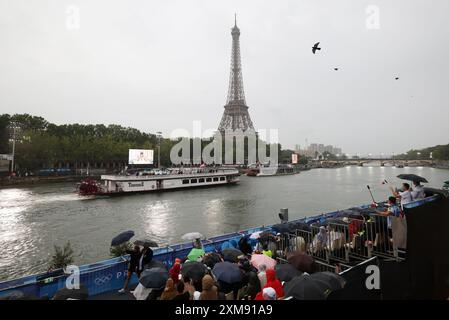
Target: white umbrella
192,236
255,235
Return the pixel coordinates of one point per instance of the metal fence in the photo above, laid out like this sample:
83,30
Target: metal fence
347,241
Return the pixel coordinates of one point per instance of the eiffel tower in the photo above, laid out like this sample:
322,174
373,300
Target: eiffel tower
236,116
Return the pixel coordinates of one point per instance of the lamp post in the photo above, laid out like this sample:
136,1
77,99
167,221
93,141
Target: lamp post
159,136
14,133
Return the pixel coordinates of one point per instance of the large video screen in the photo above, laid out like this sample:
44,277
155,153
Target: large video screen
140,156
295,158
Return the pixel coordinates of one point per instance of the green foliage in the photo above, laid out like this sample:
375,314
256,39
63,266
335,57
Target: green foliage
41,144
439,152
303,160
4,134
62,257
120,250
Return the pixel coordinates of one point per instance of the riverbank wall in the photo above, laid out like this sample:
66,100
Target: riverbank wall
9,182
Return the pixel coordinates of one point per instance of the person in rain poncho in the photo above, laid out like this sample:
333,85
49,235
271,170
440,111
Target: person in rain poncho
267,251
320,240
175,270
272,282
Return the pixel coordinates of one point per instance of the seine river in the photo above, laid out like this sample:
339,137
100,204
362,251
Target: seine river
34,219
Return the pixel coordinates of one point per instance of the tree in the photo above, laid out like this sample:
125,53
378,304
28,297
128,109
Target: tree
62,257
4,133
120,250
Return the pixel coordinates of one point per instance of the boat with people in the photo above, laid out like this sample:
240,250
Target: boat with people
158,180
267,169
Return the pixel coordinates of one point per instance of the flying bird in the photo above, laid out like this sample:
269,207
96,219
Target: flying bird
336,69
397,78
315,47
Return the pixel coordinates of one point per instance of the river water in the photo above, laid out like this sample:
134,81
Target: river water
34,219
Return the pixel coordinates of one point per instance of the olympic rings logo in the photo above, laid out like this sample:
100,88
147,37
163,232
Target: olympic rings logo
103,279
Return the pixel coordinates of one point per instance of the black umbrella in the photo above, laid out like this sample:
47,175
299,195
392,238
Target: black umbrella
231,254
122,238
282,228
227,272
78,294
210,259
154,278
286,272
306,287
155,264
146,243
301,261
412,177
333,280
194,270
291,227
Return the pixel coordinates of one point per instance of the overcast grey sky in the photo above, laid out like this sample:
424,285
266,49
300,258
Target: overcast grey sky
159,65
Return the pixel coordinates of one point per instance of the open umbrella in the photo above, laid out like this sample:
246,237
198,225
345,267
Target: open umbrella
227,272
192,236
230,244
333,280
301,261
193,270
155,264
76,294
210,259
122,238
266,236
259,259
195,254
286,272
231,254
154,278
412,177
146,243
317,286
255,235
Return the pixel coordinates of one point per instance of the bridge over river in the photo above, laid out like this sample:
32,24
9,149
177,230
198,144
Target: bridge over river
373,161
